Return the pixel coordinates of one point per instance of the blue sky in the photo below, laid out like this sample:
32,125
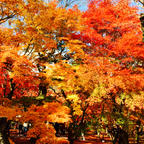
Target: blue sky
139,6
83,5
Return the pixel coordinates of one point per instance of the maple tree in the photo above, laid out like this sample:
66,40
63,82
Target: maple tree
32,44
114,38
91,62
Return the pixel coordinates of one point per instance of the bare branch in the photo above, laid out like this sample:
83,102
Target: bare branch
6,18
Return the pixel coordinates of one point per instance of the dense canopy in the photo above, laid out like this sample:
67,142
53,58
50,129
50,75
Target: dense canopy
62,65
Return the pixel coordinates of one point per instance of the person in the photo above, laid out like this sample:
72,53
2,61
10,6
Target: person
83,137
20,127
115,132
25,127
29,126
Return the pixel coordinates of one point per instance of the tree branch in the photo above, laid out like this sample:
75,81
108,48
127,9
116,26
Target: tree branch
6,18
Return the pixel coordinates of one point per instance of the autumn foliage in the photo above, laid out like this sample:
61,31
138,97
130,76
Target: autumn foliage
64,65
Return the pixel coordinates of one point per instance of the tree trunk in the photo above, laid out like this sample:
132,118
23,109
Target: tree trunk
71,137
43,89
12,89
4,131
142,23
123,138
33,140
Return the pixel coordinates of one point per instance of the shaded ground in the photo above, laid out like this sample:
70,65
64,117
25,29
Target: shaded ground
90,139
18,139
94,139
